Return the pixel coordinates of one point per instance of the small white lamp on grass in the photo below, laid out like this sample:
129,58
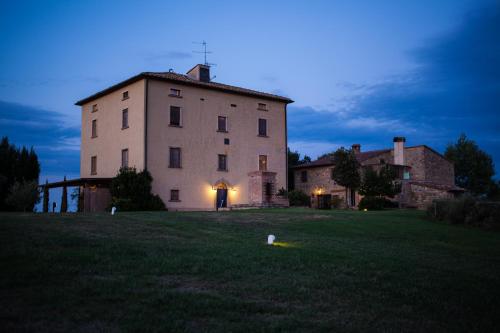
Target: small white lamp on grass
113,210
270,239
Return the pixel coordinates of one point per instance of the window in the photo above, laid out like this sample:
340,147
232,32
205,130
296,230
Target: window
262,127
269,189
262,162
174,195
94,108
233,105
124,118
226,141
175,92
124,158
175,158
124,95
175,116
222,124
93,165
262,107
222,166
303,176
94,128
331,174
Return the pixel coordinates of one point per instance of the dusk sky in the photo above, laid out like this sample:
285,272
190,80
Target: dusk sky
358,71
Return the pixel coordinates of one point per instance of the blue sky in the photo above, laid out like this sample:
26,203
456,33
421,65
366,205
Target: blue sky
359,71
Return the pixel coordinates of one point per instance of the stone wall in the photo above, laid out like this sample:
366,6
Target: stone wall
422,196
438,169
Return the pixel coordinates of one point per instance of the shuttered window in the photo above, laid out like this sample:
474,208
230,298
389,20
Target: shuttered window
175,157
175,116
262,127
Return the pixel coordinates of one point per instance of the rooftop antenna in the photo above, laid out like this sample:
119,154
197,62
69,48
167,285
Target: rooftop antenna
205,52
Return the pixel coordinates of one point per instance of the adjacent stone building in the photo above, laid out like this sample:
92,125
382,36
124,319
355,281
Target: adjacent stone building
207,145
425,175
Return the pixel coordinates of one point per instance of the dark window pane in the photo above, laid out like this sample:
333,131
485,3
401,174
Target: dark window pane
94,128
93,165
222,162
125,118
262,127
222,124
125,158
175,158
175,116
303,176
174,195
226,141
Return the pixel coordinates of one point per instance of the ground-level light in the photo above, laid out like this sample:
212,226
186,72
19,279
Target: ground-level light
270,239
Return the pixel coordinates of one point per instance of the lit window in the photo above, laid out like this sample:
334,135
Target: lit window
262,162
124,95
222,166
175,157
175,116
124,158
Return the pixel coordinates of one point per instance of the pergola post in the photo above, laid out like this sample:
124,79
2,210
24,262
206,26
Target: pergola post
46,197
64,199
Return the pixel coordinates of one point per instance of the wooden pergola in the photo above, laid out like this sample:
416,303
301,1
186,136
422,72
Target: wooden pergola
78,182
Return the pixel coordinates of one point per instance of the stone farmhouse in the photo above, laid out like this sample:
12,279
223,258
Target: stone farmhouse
424,174
207,145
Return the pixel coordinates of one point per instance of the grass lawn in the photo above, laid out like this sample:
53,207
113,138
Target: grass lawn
168,271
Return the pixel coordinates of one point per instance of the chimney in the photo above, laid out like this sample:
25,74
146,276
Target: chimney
356,148
200,72
399,150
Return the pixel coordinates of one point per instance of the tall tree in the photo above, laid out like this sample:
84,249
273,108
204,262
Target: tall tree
346,170
379,184
474,168
294,160
16,165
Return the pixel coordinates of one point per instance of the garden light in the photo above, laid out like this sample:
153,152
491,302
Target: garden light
270,239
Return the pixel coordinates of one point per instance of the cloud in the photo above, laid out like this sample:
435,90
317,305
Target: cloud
169,55
454,88
56,144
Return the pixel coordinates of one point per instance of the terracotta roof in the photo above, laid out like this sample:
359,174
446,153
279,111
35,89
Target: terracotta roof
328,160
186,80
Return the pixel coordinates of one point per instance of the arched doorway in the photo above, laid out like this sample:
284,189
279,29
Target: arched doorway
221,186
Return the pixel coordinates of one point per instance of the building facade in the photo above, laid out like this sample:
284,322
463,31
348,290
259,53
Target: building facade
424,175
207,145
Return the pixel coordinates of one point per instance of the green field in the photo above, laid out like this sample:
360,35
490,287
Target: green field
167,271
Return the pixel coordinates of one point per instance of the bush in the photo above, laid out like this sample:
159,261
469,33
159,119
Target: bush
375,203
298,198
23,196
466,210
131,191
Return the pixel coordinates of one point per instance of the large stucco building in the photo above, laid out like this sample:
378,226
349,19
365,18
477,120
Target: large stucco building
206,144
424,174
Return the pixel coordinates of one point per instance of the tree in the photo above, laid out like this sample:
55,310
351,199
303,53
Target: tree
346,170
131,190
379,184
16,165
294,160
23,196
474,168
